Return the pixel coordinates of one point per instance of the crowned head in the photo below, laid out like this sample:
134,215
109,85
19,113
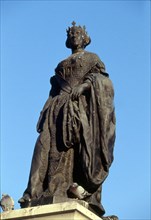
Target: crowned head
75,32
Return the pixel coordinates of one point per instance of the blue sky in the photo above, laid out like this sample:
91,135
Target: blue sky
33,35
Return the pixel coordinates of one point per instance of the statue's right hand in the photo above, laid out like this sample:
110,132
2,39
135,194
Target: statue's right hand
79,90
76,92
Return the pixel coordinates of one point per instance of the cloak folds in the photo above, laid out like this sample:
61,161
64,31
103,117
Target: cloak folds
90,123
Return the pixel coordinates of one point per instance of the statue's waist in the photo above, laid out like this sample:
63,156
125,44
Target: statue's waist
68,84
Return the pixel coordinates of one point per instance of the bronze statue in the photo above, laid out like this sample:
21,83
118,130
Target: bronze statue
74,150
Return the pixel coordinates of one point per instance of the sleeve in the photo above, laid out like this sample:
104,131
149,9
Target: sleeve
53,92
55,88
99,68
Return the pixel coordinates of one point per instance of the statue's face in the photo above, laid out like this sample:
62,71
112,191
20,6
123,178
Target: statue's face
76,38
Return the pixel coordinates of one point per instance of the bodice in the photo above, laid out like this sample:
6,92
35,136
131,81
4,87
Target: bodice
75,67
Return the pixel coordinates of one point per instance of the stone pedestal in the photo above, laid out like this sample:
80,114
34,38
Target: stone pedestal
60,211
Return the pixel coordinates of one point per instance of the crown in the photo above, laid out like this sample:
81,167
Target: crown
83,29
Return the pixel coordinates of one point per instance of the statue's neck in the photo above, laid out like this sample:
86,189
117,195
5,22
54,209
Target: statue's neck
77,50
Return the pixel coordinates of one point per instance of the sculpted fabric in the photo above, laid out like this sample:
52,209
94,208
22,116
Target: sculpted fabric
76,136
76,139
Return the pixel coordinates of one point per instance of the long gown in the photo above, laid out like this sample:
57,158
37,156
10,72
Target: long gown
77,137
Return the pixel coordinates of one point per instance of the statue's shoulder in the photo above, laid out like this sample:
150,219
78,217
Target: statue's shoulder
61,64
91,55
94,58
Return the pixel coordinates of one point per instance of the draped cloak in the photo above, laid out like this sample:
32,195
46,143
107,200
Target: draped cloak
77,137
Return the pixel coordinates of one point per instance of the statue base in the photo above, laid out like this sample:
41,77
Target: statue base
47,200
72,210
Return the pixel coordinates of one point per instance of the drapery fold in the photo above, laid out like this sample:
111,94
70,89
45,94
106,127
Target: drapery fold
93,118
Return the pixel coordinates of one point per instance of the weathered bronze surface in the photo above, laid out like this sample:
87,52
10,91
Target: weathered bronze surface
74,150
